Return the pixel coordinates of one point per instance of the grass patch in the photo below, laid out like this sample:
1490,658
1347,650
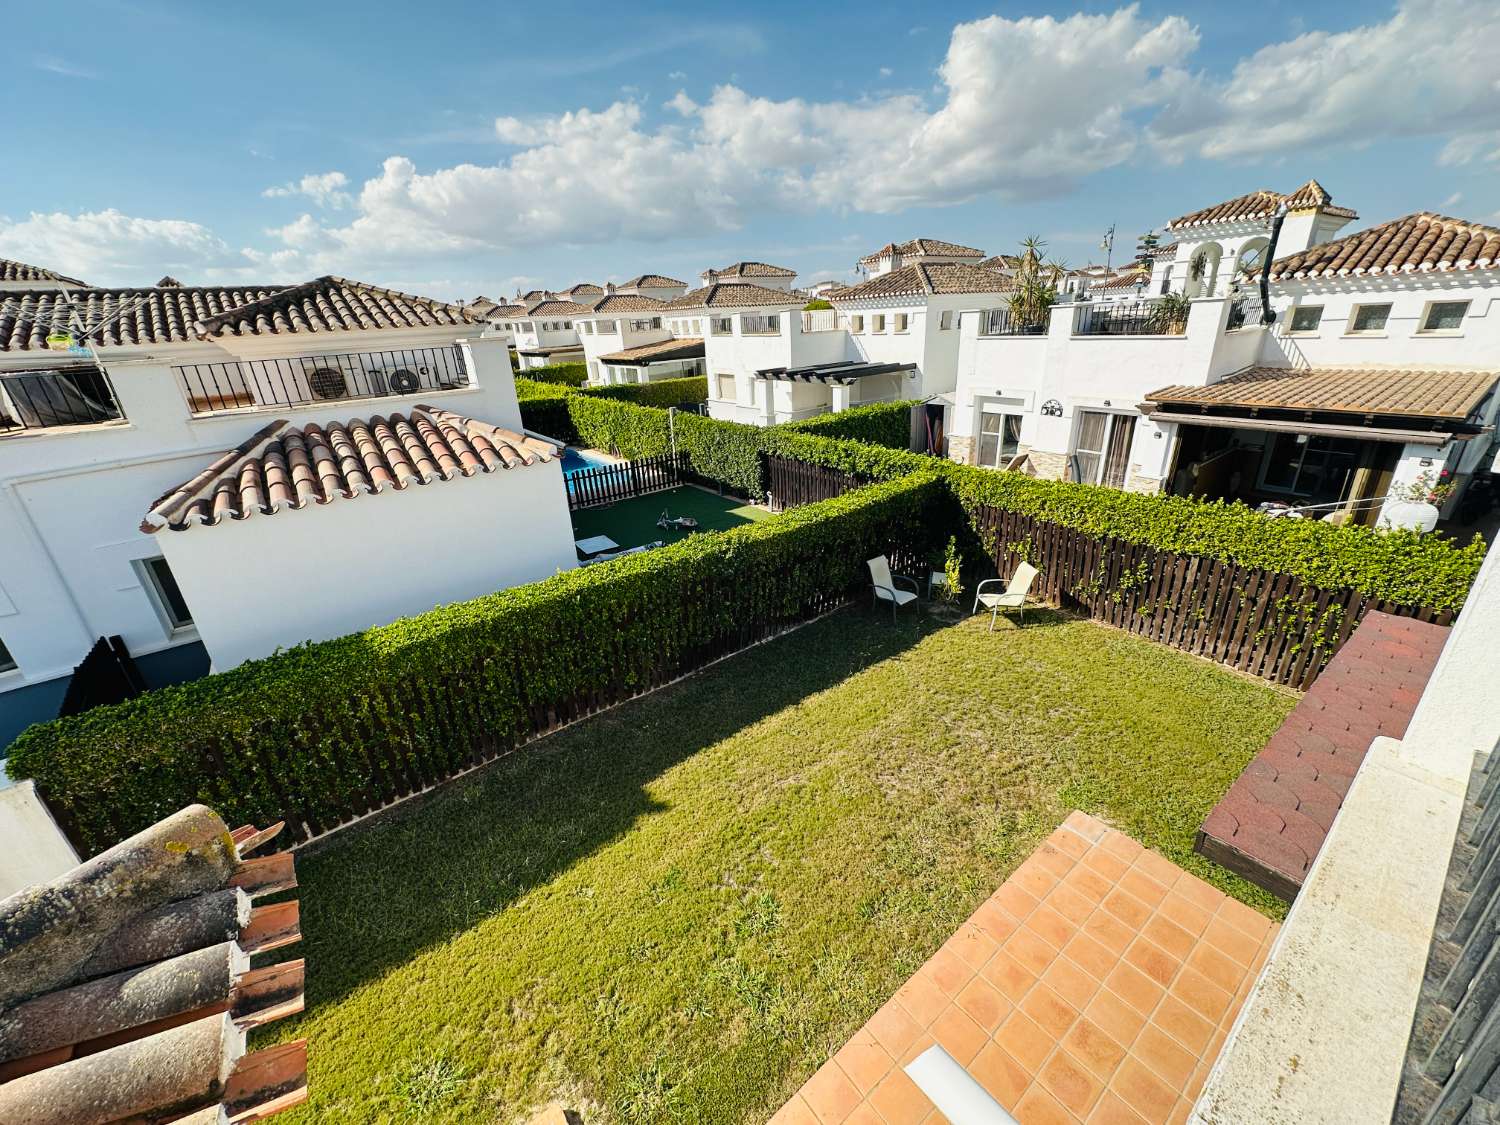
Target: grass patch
632,522
676,910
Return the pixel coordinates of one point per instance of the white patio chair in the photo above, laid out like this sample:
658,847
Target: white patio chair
1014,596
883,582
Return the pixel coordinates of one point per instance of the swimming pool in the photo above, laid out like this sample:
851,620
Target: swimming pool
576,460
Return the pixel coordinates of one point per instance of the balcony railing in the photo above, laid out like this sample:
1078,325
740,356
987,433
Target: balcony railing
64,396
306,380
1135,318
820,320
1003,322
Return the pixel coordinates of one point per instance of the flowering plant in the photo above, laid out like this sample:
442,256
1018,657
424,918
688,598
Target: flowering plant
1427,489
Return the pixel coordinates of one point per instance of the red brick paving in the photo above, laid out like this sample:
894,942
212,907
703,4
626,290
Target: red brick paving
1272,822
1096,985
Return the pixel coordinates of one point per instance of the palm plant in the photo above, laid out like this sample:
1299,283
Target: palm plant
1034,288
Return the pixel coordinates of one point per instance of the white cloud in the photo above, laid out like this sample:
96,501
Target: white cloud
326,189
1465,148
111,248
54,65
677,75
1424,72
1454,200
886,72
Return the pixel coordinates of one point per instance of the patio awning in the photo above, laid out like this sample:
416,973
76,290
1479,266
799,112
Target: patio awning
659,352
561,349
843,371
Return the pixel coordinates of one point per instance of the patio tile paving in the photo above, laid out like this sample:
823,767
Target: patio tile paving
1096,985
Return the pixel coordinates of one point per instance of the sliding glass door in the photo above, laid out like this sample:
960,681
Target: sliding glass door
1101,452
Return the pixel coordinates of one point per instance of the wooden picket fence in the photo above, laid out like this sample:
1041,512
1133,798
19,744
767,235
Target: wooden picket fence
791,483
611,483
1263,622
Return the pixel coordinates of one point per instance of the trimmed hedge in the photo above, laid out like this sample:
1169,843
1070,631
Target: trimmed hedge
566,374
689,390
325,731
880,423
546,409
726,452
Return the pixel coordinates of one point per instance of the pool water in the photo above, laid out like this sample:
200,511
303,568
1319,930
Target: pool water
577,460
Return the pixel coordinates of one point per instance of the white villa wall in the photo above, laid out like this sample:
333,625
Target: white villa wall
596,343
71,500
741,355
933,348
341,567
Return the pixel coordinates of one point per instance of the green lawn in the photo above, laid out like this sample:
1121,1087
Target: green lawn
673,912
633,522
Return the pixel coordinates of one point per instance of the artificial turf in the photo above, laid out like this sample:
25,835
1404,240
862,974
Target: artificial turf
631,523
674,911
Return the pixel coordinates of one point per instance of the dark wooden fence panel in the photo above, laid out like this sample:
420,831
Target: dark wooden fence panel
791,483
611,483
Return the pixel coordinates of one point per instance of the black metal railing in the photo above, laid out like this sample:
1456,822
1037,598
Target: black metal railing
1003,322
64,396
1243,310
1134,318
588,488
306,380
1453,1060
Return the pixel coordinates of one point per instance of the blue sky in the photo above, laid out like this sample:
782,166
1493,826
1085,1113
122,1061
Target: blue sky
469,148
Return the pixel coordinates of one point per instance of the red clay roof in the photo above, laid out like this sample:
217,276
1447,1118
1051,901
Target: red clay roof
1384,391
752,269
652,281
1416,242
686,347
625,302
916,246
11,270
1262,205
734,295
283,466
923,278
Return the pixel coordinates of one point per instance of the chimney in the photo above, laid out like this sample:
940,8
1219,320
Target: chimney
895,258
710,276
609,286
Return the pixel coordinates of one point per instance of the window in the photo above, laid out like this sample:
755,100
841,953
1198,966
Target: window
999,439
877,322
1310,467
724,387
1369,318
567,325
856,324
901,322
588,327
1444,316
656,322
605,327
164,591
1101,452
1306,318
697,326
526,326
721,325
643,324
945,321
760,325
7,661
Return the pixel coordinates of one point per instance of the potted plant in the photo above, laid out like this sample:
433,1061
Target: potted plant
1416,504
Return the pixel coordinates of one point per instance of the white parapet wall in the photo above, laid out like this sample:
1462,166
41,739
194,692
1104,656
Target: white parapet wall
32,847
1324,1032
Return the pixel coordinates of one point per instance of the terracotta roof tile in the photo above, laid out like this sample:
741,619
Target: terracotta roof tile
916,246
733,295
283,466
625,302
330,304
20,271
752,269
1001,261
583,289
651,281
1420,241
686,347
1262,205
553,307
1391,392
922,278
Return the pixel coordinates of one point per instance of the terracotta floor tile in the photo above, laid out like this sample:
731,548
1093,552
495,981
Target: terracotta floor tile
899,1101
1183,1024
1171,1061
1194,1085
1051,925
1052,1013
1163,870
1251,921
1180,1112
1033,954
1110,866
1121,846
1072,905
1000,1074
995,920
1136,988
1016,901
1231,940
1127,908
1153,960
1068,841
1122,1022
949,971
973,945
1054,859
1009,976
1088,882
1091,828
983,1003
830,1094
960,1036
1199,893
1109,931
1089,955
1169,935
1143,1091
935,1118
918,1046
893,1028
1201,994
1071,1083
1112,1111
922,999
1024,1041
865,1061
1035,879
1143,886
864,1115
1218,967
1070,982
1037,1107
1094,1048
1183,911
795,1112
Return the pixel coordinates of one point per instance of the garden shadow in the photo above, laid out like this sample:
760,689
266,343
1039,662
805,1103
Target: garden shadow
377,894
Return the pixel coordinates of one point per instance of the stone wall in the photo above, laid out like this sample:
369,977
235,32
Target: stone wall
1136,482
1049,466
961,449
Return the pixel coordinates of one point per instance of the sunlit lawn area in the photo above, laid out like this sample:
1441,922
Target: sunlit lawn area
675,911
631,523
